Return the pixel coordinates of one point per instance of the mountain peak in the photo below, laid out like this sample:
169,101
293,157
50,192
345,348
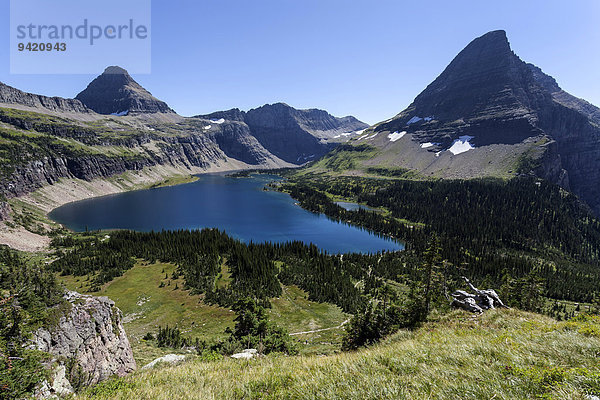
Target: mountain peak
116,92
115,70
491,45
498,36
483,70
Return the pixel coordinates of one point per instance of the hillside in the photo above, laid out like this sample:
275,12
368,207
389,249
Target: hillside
491,114
503,354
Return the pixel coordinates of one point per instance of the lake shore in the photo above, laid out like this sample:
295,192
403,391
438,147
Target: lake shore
44,200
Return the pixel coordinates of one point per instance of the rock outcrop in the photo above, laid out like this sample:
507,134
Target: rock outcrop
90,339
58,386
116,92
488,107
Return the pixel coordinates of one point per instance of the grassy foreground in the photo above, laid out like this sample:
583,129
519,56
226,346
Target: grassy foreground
503,354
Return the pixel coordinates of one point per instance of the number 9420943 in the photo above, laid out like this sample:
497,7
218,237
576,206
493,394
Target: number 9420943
42,46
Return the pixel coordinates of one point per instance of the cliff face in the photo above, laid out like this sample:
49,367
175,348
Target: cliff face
490,98
91,334
187,152
115,92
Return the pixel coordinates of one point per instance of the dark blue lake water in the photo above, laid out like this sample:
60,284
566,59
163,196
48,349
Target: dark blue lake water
238,206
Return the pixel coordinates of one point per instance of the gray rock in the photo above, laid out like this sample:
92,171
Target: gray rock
168,359
246,354
92,335
4,211
59,387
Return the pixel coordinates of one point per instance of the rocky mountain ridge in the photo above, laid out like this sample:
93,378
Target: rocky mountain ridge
295,136
11,96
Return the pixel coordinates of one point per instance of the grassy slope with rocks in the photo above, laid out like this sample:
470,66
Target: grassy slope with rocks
502,354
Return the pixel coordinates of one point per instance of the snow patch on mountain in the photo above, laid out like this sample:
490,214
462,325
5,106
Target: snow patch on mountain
413,120
461,145
396,136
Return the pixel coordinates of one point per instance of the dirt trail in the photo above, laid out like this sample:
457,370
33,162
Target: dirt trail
321,330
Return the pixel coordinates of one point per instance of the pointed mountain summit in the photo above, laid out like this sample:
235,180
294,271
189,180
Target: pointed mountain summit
116,92
491,114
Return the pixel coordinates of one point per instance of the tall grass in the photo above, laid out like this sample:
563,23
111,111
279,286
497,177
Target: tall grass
503,354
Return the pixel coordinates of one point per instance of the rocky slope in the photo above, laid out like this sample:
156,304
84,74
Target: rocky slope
115,92
90,340
491,114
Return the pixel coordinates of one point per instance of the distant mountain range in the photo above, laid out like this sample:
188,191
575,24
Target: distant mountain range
115,125
491,114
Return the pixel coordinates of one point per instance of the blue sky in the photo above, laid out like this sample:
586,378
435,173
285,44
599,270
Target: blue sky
363,58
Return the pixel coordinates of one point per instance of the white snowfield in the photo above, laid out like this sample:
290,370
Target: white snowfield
396,136
207,127
461,145
372,136
217,121
120,114
427,145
